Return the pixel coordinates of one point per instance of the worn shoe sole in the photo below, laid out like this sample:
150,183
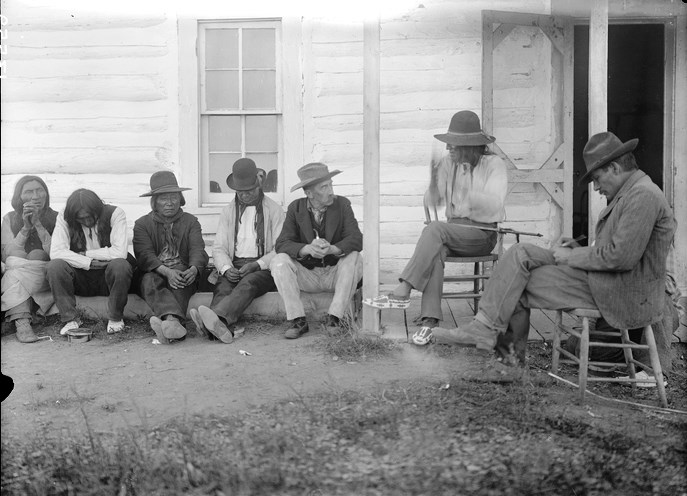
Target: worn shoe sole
386,302
214,325
156,326
200,327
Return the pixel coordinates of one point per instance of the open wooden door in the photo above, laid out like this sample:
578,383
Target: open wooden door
527,103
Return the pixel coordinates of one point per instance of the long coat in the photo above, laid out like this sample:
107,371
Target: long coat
341,229
148,242
627,264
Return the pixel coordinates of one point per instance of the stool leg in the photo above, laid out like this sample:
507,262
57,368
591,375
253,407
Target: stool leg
405,321
656,365
584,357
555,354
476,285
625,338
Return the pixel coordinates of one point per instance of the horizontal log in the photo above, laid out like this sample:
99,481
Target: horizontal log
148,126
74,138
85,160
13,111
87,52
126,88
39,17
41,67
157,34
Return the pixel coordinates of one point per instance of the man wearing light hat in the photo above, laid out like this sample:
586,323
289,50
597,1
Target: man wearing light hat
317,250
243,249
169,247
623,274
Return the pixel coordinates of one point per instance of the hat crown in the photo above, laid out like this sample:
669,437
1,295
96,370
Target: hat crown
314,170
599,146
464,122
162,179
244,175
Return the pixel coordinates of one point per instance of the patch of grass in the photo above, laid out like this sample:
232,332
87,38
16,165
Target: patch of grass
473,438
350,345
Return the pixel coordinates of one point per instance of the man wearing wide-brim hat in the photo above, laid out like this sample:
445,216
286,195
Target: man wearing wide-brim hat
623,274
168,244
472,183
243,249
318,250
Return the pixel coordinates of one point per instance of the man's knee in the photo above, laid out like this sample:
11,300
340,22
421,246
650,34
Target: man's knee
119,267
38,255
280,264
57,267
354,259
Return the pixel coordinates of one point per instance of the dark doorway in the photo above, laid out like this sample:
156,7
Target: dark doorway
636,54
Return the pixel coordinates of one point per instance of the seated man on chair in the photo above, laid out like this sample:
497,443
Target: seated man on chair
473,183
317,250
623,274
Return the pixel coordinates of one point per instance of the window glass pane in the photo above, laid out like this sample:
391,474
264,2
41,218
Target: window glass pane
224,133
221,90
268,163
258,49
220,168
222,48
261,133
259,89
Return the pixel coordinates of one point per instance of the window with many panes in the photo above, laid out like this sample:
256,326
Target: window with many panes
240,102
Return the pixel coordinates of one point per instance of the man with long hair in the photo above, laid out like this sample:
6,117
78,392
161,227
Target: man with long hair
472,183
89,258
26,237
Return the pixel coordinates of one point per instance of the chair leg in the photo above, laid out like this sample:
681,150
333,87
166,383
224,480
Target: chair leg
656,365
584,358
476,285
625,338
555,354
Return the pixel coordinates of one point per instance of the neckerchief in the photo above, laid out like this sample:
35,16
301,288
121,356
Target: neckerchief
169,254
317,216
259,221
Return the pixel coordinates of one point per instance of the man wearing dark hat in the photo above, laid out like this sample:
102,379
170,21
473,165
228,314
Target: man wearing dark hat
623,274
317,250
472,182
169,247
242,252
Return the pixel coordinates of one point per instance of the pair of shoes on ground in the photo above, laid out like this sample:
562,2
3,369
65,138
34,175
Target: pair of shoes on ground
388,301
646,380
209,324
25,332
299,326
113,326
167,330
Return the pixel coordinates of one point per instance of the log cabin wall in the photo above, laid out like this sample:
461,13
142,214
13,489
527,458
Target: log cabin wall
89,100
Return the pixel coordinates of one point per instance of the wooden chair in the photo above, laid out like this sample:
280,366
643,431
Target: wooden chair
479,274
626,345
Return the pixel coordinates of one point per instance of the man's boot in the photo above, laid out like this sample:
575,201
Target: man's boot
25,333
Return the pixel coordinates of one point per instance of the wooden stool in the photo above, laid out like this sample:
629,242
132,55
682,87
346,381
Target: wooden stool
585,343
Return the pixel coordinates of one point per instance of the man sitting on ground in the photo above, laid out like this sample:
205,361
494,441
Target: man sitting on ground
623,274
243,250
89,254
317,250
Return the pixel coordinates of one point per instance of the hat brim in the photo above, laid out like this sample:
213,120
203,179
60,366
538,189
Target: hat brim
230,183
465,139
315,180
626,147
165,189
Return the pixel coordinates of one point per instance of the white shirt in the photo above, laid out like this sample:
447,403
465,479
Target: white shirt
118,239
479,195
246,239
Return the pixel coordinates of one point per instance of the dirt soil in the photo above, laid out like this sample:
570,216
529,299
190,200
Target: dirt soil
125,380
